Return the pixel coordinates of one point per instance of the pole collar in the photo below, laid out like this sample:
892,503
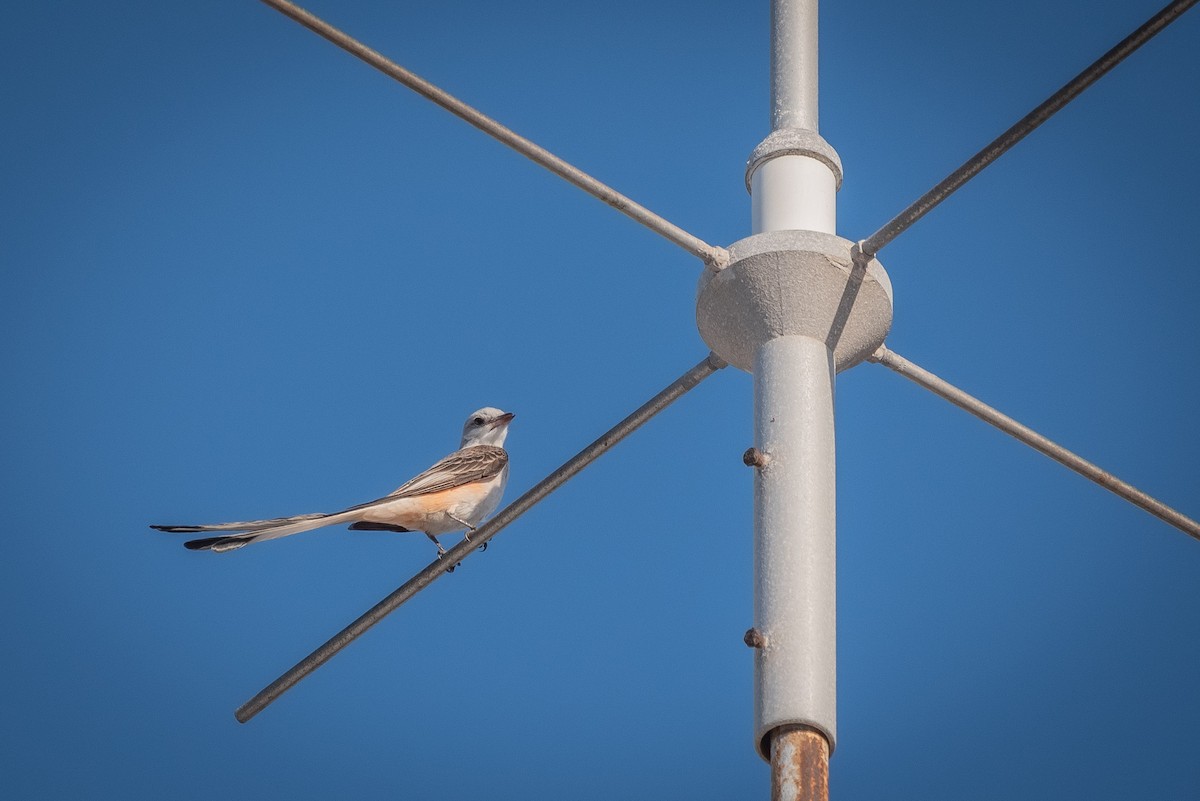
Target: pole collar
794,142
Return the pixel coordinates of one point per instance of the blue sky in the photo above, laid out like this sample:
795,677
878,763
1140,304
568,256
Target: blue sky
246,275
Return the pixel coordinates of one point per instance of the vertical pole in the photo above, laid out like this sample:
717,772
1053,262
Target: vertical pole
794,521
793,192
795,557
794,64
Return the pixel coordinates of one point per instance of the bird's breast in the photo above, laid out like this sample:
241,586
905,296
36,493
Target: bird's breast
436,512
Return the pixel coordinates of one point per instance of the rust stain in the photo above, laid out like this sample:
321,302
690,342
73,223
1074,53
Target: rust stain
755,638
799,764
753,457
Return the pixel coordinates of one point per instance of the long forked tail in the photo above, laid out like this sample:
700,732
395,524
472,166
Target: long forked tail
254,530
219,544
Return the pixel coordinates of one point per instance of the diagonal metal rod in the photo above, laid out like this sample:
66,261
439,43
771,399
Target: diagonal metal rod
1034,440
662,400
874,243
711,254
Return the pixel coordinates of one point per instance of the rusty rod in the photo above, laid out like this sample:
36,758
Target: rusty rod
480,537
1025,434
712,255
799,764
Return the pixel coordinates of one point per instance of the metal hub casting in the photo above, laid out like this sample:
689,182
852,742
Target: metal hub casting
794,283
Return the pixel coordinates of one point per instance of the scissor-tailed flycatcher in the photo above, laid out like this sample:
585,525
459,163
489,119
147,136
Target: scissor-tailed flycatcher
455,494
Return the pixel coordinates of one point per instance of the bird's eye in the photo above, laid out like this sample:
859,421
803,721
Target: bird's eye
478,421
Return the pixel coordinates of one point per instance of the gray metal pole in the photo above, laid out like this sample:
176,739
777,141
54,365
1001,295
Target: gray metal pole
692,244
1033,439
1024,126
794,537
794,65
439,567
794,494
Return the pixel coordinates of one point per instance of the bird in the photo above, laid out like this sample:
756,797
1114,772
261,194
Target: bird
455,494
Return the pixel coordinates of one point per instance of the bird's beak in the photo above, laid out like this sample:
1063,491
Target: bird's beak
502,420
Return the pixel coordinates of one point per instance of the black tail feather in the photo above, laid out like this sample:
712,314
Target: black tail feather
364,525
208,543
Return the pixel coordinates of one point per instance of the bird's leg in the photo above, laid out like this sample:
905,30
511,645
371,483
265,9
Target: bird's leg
469,528
441,550
467,533
463,523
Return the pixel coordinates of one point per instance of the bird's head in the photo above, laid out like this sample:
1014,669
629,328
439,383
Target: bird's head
487,426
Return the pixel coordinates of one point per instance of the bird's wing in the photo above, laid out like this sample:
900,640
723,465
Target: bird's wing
465,466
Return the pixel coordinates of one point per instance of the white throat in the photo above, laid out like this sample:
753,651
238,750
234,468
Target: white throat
486,436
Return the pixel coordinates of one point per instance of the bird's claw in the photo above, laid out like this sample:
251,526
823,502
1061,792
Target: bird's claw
442,554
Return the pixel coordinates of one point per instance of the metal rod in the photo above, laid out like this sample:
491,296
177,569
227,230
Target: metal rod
793,65
874,243
1035,440
799,765
697,247
480,537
